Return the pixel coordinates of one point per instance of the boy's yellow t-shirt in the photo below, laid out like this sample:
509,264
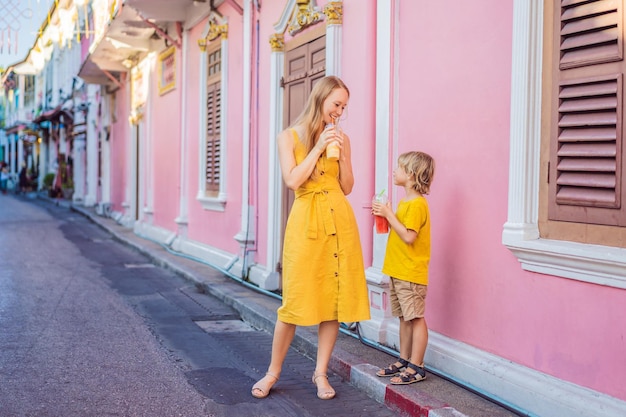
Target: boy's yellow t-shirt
410,262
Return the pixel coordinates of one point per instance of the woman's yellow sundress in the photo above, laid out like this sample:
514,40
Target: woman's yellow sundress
323,273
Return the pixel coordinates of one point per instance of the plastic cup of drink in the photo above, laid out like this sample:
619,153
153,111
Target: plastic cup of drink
382,224
332,151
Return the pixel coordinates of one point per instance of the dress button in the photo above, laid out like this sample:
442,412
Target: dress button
336,274
335,255
325,192
321,172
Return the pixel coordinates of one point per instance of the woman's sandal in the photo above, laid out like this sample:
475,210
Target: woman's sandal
262,392
322,394
393,369
408,377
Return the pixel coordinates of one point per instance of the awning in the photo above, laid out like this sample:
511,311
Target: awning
56,114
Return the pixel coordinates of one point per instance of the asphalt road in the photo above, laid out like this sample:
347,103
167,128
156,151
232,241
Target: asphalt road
89,327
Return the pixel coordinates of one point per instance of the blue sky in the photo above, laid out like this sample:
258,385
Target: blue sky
26,16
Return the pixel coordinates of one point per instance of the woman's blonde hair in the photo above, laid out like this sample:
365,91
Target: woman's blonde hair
420,167
312,115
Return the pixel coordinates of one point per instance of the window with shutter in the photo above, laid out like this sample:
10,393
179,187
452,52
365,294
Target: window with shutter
214,115
586,152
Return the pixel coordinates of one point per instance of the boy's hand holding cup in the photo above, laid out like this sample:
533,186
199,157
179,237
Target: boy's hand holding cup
382,224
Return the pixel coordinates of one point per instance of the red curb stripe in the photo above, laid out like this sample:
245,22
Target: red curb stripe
396,401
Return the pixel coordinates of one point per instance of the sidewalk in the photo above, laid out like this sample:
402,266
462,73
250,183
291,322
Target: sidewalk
352,360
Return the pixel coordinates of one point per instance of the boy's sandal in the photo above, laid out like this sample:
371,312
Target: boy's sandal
407,377
393,369
258,392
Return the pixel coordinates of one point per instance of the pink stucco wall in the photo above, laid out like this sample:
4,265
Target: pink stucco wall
359,46
165,149
120,134
454,103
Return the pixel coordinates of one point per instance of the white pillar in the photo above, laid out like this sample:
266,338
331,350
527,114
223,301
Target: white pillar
92,147
246,235
78,168
382,327
181,219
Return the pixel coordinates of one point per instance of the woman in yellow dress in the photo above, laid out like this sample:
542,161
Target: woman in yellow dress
323,273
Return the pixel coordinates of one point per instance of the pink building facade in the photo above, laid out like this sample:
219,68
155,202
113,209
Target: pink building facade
522,307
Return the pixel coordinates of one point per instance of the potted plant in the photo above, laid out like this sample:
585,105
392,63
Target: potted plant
48,185
68,188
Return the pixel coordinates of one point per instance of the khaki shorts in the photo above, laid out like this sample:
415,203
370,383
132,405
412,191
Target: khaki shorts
408,299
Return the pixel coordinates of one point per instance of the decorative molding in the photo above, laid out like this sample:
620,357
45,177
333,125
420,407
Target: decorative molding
305,15
334,13
277,42
166,65
202,44
216,31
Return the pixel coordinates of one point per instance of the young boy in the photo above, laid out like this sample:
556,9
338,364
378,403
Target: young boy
406,263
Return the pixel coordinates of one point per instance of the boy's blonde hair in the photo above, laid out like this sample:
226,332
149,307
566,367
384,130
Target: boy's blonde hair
420,167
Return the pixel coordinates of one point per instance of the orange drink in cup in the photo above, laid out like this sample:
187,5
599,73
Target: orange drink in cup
382,224
332,149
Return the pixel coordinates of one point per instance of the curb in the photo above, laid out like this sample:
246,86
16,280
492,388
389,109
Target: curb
260,312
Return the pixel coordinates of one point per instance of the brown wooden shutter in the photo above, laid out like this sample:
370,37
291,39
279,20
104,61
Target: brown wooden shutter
586,151
214,120
213,138
591,32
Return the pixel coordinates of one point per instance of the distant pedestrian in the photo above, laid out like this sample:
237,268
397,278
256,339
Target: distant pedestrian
24,181
323,273
406,262
4,177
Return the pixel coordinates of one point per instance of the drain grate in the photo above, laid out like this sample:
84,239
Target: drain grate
222,326
130,266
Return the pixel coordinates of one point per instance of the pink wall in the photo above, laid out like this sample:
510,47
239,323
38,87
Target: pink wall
455,72
165,146
120,135
359,45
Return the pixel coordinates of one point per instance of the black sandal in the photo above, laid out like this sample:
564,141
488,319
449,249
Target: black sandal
393,370
407,377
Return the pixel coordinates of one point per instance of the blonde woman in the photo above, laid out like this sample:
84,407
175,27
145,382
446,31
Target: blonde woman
323,273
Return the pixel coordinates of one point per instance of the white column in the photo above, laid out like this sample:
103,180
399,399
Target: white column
78,168
181,220
270,279
20,151
247,233
525,130
382,327
92,147
333,49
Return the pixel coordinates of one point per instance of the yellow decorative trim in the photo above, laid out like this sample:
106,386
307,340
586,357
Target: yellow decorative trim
277,42
334,13
216,30
304,16
202,45
167,70
135,117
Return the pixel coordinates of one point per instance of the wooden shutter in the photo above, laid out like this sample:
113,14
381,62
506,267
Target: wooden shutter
214,120
586,152
591,32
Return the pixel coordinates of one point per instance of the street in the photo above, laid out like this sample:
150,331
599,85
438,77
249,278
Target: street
90,327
